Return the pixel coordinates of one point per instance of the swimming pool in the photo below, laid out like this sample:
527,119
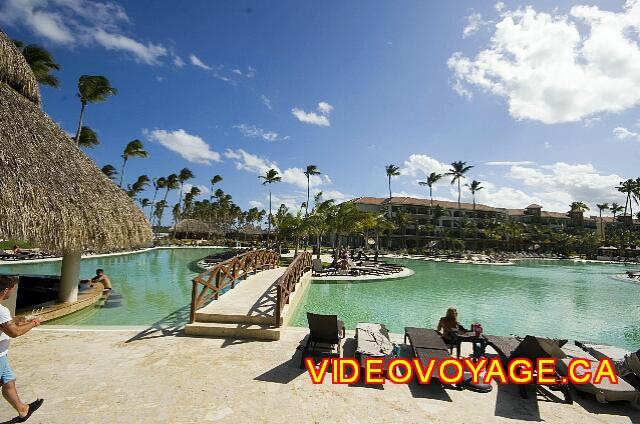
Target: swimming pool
153,284
581,301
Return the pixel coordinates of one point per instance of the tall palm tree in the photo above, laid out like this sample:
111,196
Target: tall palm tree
92,89
615,210
270,177
474,187
184,175
145,203
40,61
456,172
578,207
392,171
109,171
602,207
141,183
311,170
88,138
431,180
627,187
172,183
134,148
215,180
158,183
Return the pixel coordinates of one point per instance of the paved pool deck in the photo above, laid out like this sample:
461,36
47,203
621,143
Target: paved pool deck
110,377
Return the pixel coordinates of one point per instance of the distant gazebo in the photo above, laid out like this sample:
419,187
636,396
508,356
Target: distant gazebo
52,194
194,228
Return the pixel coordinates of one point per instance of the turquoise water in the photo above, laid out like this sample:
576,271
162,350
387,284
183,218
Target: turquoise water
563,299
153,285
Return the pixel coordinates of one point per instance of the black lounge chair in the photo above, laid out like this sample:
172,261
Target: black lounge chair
325,333
531,348
319,270
426,343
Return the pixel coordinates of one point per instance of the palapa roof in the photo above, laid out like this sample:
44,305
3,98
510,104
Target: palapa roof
194,226
53,195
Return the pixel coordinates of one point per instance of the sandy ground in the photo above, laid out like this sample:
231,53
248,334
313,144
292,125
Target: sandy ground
120,376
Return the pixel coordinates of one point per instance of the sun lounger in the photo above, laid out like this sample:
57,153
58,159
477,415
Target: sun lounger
372,341
628,364
426,343
325,334
319,270
531,348
605,391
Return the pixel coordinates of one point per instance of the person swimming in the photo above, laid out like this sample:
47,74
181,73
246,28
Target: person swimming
101,277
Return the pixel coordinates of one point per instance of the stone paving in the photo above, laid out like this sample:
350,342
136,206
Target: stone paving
119,376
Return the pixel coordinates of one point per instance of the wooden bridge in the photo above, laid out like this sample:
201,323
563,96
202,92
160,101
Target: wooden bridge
247,296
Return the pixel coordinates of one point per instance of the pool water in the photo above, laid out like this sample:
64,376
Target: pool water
578,301
152,285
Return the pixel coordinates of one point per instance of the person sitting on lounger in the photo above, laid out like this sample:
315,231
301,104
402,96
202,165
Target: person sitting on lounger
449,324
101,277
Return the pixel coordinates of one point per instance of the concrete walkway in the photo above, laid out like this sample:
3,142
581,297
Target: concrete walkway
100,378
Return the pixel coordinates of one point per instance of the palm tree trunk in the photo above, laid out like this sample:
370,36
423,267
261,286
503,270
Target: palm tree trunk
306,205
84,104
269,220
124,162
319,238
389,188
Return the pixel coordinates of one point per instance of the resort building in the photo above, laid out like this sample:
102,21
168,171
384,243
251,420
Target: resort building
425,221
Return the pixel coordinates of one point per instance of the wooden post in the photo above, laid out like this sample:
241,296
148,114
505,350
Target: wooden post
217,285
194,294
278,305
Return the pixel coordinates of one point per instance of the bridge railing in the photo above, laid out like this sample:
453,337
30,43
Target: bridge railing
208,285
287,282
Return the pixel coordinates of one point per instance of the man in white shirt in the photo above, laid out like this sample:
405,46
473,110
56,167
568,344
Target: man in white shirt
11,329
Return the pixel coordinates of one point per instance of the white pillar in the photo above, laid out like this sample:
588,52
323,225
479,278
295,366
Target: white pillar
70,276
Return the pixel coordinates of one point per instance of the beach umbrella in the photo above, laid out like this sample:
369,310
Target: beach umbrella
51,193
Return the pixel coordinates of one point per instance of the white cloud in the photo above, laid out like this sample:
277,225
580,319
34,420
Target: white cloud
195,61
252,131
237,72
177,60
321,118
266,101
251,72
499,6
422,165
558,68
256,204
204,190
474,23
190,147
509,163
547,145
246,161
85,22
622,133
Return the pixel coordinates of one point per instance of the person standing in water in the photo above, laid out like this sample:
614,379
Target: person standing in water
101,277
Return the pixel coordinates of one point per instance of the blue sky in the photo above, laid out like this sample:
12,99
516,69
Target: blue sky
541,99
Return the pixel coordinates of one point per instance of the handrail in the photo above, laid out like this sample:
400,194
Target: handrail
226,273
286,284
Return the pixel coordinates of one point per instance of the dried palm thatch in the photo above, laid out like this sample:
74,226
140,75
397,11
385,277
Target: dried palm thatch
194,228
51,193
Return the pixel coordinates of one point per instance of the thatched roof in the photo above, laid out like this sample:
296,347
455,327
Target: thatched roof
194,226
52,194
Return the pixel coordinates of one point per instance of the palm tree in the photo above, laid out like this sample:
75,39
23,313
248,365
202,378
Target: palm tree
40,61
311,170
92,89
431,180
171,183
141,183
270,177
158,183
627,187
602,207
109,171
456,172
134,148
392,171
215,180
615,209
88,138
474,187
184,175
578,207
145,203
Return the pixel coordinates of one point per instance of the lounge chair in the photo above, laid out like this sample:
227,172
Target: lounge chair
319,270
605,391
325,334
426,343
601,351
531,348
373,341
